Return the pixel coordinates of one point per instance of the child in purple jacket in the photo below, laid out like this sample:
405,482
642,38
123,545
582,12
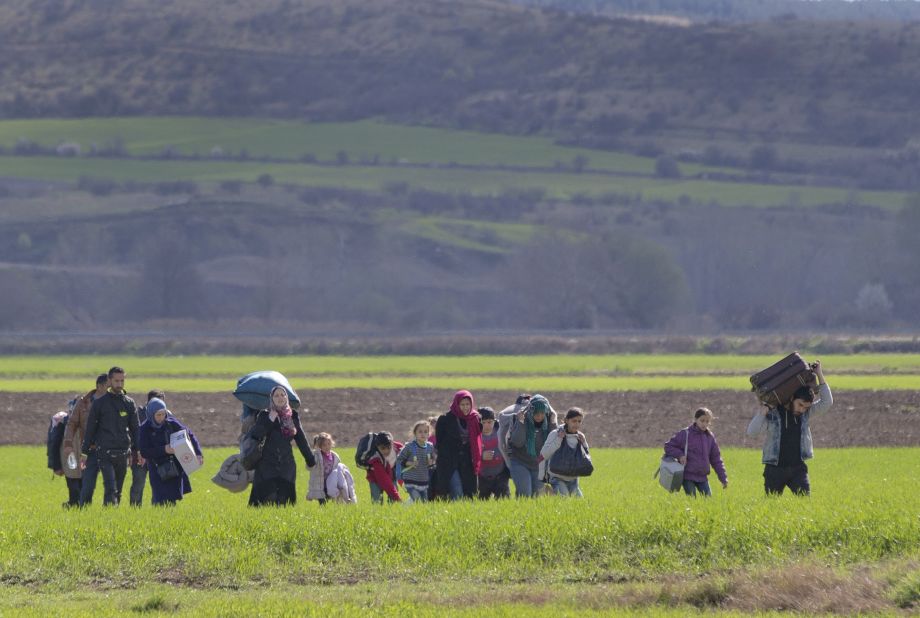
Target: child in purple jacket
702,451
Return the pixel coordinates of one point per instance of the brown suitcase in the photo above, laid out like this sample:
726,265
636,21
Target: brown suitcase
775,385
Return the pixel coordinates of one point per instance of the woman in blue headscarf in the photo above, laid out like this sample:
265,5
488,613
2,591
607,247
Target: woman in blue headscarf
168,481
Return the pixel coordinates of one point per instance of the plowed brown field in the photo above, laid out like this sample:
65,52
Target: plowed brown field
616,419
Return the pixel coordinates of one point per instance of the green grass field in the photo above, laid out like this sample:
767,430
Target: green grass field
287,139
571,373
484,182
619,547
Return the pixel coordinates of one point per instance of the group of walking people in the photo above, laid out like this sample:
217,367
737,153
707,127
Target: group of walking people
105,432
466,452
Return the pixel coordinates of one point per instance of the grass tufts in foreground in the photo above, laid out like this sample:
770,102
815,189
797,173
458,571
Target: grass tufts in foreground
864,509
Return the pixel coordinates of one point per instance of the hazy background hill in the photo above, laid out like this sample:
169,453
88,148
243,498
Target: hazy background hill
743,10
474,64
403,166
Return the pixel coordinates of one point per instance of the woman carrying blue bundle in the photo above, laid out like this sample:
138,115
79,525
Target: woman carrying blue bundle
168,481
276,427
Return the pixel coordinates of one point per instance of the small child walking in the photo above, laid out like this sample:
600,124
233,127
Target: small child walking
380,468
702,450
326,462
415,461
493,473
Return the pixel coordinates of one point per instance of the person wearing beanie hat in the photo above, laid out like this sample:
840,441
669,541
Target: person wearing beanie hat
493,473
381,472
153,437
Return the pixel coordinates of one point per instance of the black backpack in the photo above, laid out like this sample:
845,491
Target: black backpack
53,443
367,446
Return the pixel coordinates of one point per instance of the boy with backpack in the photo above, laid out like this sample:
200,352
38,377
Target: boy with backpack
377,454
64,463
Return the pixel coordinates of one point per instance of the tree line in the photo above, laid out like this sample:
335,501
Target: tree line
277,257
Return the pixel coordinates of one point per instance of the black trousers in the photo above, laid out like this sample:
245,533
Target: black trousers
73,490
273,491
778,478
496,486
114,466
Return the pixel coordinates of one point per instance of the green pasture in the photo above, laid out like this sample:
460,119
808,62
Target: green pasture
327,601
141,384
291,140
864,510
534,373
482,182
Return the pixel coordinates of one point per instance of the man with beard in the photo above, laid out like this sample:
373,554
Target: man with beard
111,434
788,441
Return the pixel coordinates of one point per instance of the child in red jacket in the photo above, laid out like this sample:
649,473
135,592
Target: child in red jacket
380,468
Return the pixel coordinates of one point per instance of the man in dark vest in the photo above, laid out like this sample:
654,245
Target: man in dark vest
111,434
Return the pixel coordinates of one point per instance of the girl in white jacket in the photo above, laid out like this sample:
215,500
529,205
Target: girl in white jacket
329,478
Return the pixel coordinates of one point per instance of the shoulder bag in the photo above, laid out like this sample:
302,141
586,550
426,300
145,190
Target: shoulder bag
571,461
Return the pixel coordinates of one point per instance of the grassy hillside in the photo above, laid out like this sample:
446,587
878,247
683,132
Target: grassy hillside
360,140
369,155
740,10
481,182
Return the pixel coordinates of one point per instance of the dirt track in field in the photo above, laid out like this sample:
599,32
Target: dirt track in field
643,419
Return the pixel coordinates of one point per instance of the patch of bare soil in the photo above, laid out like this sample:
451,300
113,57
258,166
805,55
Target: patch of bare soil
616,419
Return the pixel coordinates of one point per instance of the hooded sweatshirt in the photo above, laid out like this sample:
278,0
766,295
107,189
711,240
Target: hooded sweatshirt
702,451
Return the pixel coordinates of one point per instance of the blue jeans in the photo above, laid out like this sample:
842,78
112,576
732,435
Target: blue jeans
417,493
566,488
691,487
138,480
90,473
456,486
526,481
377,493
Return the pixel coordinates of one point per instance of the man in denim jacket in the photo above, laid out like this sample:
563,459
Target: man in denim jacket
788,441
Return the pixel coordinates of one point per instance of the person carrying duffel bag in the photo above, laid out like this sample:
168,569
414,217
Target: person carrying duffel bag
566,456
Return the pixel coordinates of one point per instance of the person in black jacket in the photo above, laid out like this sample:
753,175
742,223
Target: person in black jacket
459,448
138,465
111,434
274,482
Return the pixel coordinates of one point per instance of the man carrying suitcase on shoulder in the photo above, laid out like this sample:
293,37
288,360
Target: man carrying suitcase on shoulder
788,441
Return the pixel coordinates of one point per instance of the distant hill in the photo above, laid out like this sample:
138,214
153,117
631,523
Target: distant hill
743,10
478,64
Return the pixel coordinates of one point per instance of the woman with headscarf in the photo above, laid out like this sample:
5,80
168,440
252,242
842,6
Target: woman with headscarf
459,448
274,481
168,481
531,425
